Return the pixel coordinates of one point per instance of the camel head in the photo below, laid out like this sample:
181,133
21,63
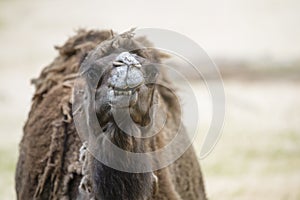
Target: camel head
119,84
127,85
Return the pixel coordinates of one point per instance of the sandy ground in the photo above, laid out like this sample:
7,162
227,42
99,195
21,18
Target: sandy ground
258,154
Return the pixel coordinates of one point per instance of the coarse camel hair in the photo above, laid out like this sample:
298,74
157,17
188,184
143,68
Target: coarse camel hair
54,162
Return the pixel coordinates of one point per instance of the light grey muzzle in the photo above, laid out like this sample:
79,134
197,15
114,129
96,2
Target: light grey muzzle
125,78
126,74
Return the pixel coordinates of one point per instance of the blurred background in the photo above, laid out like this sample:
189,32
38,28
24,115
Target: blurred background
256,45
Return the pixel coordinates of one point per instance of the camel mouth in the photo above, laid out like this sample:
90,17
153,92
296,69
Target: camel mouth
122,91
122,98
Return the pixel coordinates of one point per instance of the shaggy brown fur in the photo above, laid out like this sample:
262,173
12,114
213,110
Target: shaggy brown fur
49,167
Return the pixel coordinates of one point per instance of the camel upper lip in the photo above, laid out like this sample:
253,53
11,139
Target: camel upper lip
125,77
126,89
123,89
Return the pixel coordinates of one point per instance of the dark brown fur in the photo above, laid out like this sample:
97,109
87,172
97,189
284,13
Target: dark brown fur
48,166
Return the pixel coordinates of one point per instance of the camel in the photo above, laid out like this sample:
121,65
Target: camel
56,163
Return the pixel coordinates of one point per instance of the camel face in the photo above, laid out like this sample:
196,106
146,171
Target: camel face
128,83
124,80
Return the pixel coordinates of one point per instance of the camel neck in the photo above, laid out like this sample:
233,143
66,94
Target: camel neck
110,183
